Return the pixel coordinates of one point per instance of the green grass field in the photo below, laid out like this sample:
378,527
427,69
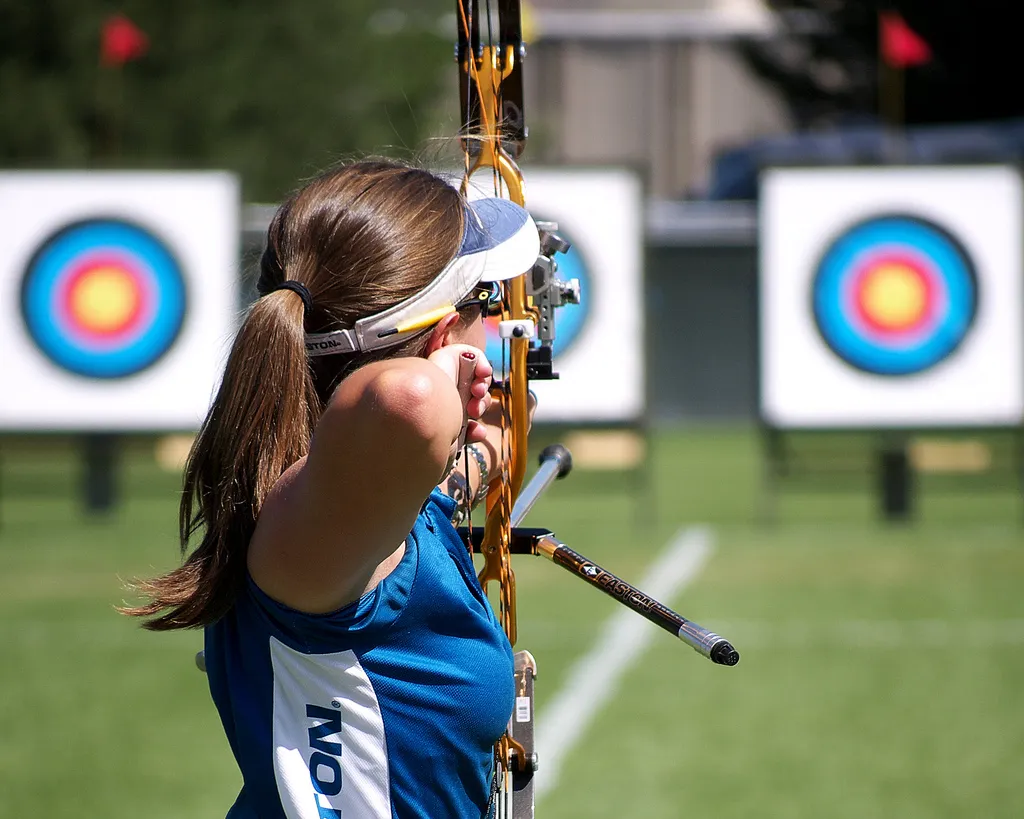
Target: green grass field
882,670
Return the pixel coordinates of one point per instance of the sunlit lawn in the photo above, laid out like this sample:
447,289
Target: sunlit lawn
881,665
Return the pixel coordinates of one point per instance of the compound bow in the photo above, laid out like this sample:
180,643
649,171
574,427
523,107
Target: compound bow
490,54
494,135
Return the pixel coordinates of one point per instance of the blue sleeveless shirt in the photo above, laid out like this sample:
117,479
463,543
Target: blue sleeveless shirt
385,709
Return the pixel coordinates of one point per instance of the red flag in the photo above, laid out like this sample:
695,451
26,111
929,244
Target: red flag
122,41
901,46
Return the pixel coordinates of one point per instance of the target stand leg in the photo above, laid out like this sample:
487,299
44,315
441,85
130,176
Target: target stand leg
896,480
99,472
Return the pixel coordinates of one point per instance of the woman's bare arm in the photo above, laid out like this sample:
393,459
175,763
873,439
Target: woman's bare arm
380,447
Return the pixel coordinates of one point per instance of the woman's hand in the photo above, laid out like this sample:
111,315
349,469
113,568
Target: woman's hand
470,371
492,415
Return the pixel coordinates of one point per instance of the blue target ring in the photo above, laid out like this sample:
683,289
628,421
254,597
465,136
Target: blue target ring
894,295
103,298
570,319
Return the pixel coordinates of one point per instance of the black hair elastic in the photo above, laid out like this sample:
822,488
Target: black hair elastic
300,288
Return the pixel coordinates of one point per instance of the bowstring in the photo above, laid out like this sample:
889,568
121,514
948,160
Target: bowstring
467,11
466,21
506,402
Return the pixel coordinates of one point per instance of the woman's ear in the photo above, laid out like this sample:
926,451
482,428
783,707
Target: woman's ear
441,335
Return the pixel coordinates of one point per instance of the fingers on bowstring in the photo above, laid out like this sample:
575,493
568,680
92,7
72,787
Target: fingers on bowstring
466,376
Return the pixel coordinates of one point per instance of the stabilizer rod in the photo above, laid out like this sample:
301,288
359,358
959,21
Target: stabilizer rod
535,541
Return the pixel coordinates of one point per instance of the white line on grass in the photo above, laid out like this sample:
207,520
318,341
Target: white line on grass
594,678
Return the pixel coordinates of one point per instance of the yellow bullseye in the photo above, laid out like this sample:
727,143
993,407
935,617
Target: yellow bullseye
894,296
104,300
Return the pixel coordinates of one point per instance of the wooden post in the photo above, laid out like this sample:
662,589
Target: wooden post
895,480
99,471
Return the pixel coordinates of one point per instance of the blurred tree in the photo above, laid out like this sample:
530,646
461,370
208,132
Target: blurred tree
828,67
272,90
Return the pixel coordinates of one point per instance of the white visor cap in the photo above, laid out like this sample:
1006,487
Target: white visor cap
499,242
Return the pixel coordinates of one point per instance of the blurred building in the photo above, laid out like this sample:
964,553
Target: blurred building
657,85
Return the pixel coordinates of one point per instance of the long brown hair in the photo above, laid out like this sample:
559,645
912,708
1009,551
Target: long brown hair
360,239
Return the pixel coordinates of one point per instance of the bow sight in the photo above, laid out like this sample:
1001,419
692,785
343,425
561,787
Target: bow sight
548,293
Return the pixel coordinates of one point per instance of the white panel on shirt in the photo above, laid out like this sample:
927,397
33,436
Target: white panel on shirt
330,754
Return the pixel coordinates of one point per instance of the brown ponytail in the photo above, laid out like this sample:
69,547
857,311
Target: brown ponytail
260,423
359,239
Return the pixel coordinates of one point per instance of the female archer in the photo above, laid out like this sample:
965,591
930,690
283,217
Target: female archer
357,667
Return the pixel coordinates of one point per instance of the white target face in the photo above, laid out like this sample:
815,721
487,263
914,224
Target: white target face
891,297
118,296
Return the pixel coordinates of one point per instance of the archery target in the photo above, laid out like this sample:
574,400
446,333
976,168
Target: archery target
118,298
103,298
894,295
891,297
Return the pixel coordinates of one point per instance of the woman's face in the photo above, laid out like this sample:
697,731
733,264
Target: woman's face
470,329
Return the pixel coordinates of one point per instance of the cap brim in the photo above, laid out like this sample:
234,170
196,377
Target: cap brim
504,235
499,241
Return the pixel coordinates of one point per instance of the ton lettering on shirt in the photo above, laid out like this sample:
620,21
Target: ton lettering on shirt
325,757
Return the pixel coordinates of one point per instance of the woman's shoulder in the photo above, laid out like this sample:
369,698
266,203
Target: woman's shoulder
390,591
